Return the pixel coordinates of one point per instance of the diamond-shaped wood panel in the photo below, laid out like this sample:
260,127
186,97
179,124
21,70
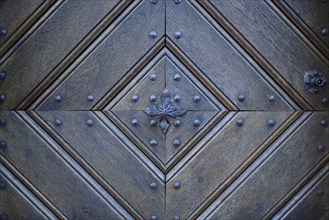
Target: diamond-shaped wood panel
164,109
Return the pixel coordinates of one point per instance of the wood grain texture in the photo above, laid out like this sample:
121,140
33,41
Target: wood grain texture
278,174
109,62
41,164
46,47
219,60
277,43
217,160
111,158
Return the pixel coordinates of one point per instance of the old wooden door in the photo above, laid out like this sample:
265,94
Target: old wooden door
154,109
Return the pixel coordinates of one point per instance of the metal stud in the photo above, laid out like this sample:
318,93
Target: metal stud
3,185
178,34
3,121
177,1
153,123
3,216
196,122
240,122
135,98
90,98
324,122
2,98
153,98
177,123
177,185
58,98
153,185
153,1
153,34
325,101
320,148
325,31
241,98
271,123
319,192
134,122
176,217
271,98
177,142
153,217
90,122
2,75
3,31
153,77
177,98
58,122
196,98
153,142
3,144
177,77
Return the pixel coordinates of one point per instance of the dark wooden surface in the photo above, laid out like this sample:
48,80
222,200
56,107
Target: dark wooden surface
234,158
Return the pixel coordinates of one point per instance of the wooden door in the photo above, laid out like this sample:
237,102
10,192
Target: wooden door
164,109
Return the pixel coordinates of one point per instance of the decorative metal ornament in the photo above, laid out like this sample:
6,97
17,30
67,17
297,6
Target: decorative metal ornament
166,109
314,82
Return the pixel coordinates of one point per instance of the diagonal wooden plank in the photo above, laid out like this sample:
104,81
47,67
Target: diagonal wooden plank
219,157
279,173
39,161
108,63
220,60
111,158
39,54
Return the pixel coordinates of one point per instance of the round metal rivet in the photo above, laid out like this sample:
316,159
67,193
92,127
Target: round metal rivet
3,216
271,98
153,142
153,185
2,98
2,75
3,185
58,122
90,98
153,217
134,122
58,98
177,142
177,1
177,77
153,123
177,185
153,98
176,217
90,122
325,31
3,121
319,192
153,77
240,122
196,98
177,98
177,123
3,31
153,1
3,144
320,148
153,34
325,101
178,35
271,123
241,98
196,122
324,122
135,98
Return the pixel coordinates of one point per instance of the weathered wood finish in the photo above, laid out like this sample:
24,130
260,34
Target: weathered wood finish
231,132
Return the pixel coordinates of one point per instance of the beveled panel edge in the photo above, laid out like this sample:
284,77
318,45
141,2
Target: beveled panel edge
301,194
268,148
244,53
80,53
24,191
298,101
296,23
57,144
